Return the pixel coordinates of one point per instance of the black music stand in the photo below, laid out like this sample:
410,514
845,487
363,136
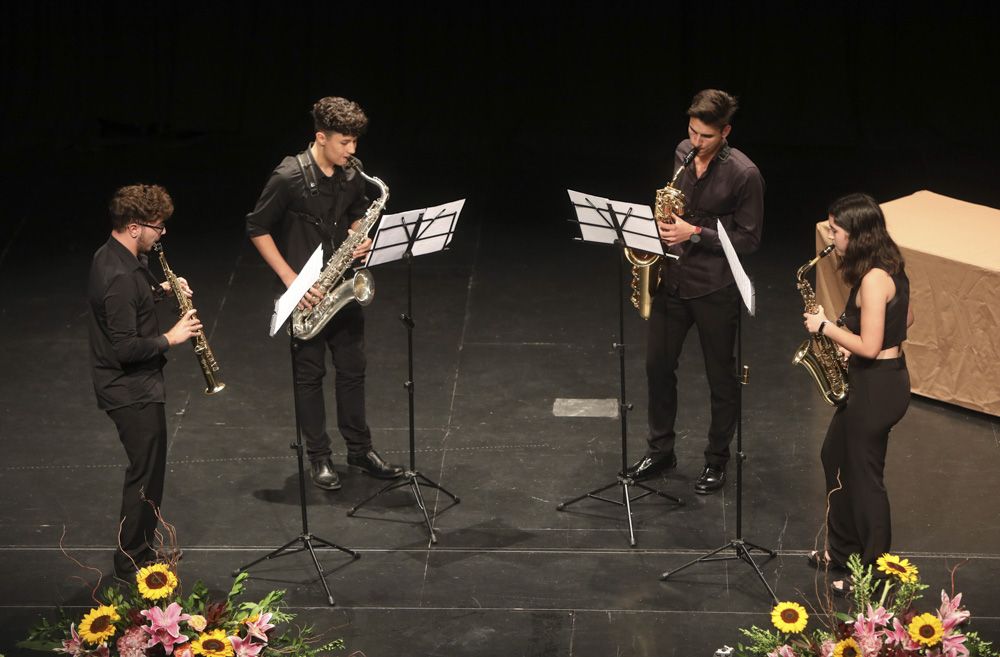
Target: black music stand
401,236
741,548
612,222
305,538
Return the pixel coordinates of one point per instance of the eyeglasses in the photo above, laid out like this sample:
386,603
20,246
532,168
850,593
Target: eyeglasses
159,229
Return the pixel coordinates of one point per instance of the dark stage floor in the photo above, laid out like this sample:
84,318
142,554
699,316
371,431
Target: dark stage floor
513,317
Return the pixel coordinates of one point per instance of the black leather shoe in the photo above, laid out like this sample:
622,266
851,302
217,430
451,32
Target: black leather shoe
649,466
712,478
374,465
324,476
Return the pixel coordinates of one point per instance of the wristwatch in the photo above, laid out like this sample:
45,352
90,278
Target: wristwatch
696,236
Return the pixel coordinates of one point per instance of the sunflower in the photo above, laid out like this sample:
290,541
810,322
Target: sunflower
847,648
901,568
156,581
98,625
212,644
926,629
789,617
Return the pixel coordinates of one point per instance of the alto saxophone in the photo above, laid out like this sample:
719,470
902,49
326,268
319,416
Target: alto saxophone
206,359
819,354
646,266
332,282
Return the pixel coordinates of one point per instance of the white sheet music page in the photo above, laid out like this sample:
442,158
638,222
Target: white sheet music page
391,240
592,213
438,227
743,282
286,303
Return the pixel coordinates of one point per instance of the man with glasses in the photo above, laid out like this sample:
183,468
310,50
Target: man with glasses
126,355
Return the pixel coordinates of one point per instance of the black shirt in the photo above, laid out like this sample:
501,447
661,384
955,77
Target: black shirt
895,312
732,190
126,347
300,221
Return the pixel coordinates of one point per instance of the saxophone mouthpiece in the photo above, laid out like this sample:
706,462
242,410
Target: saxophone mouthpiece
690,156
825,252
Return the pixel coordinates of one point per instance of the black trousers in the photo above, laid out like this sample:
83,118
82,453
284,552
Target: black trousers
854,450
716,316
344,337
142,428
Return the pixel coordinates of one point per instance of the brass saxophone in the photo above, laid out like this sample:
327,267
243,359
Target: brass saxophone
332,282
206,359
819,354
646,266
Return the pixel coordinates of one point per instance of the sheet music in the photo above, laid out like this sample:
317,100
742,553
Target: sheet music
743,282
435,232
637,224
286,303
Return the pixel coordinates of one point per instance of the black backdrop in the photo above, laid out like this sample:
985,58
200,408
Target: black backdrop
512,101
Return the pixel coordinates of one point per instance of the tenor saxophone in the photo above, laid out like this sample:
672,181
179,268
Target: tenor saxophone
819,354
337,290
646,266
206,359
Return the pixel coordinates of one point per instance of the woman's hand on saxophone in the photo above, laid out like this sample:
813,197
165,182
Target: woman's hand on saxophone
813,320
187,327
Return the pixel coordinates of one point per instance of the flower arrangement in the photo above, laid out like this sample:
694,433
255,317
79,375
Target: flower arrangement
883,622
152,618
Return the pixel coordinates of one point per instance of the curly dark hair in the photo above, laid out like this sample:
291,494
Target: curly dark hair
335,114
139,203
714,107
869,245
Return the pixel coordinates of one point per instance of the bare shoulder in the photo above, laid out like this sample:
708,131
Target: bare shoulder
878,283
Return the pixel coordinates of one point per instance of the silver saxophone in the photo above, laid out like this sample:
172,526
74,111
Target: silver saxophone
337,283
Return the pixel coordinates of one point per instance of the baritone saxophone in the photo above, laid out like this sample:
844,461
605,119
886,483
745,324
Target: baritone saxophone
646,266
206,359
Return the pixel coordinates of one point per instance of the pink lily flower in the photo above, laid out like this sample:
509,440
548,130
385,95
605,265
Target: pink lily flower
258,627
164,626
900,636
783,651
73,645
245,647
951,613
953,645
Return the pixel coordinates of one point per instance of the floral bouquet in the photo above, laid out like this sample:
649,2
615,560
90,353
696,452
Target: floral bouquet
152,618
883,622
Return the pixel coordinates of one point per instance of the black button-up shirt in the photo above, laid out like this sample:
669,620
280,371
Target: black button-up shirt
300,221
732,190
126,347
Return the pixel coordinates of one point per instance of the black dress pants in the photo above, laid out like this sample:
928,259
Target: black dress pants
854,451
344,337
716,317
142,429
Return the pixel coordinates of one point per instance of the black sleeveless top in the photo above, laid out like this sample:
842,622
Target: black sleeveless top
895,312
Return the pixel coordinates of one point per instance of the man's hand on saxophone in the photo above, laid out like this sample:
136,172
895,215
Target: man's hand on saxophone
675,232
188,292
187,327
366,244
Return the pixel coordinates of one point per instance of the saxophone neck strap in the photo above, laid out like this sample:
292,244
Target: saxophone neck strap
308,169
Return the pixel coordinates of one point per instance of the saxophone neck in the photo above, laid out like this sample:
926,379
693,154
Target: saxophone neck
812,263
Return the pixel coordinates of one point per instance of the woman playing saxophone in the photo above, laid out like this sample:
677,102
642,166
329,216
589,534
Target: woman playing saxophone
871,331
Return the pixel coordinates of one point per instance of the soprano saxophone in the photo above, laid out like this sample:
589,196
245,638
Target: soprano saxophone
333,281
206,359
819,354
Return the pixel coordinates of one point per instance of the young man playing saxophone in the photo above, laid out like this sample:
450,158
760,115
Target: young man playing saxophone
126,355
313,199
721,183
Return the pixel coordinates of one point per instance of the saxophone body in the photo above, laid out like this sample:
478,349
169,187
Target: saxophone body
206,359
819,354
646,266
337,283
